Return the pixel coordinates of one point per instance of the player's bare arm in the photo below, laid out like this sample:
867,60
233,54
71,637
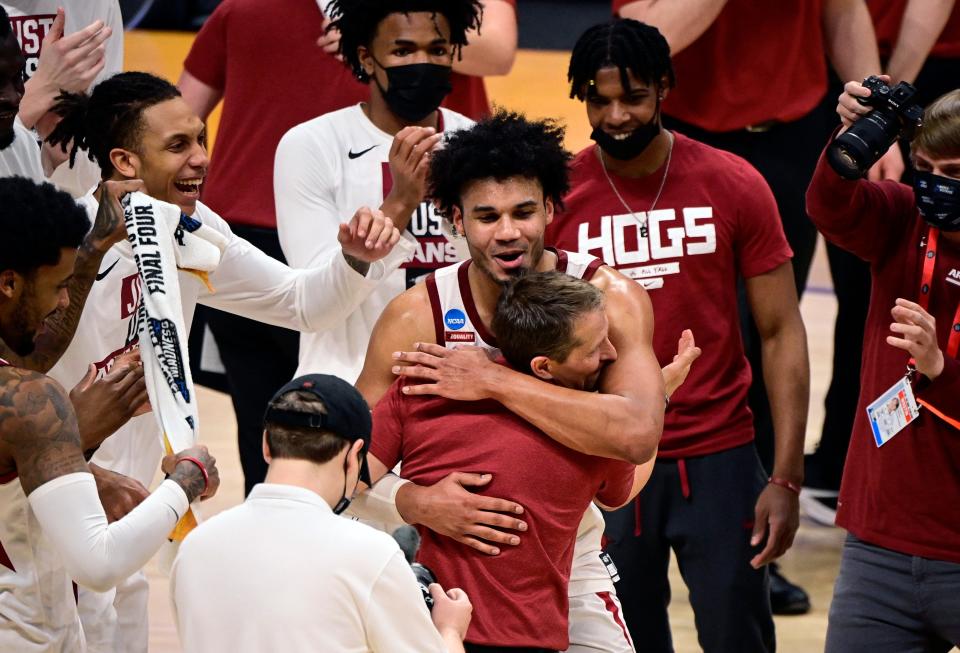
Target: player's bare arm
624,421
107,230
406,319
786,372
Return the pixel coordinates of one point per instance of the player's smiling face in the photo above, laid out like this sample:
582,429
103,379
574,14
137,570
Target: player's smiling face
617,110
172,155
504,222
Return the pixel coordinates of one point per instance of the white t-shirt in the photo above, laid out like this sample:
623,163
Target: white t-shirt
283,573
31,20
22,157
247,282
325,169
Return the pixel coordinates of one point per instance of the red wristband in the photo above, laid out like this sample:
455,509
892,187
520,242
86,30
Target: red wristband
203,470
782,482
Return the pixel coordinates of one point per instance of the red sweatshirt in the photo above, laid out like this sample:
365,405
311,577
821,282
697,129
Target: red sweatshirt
905,495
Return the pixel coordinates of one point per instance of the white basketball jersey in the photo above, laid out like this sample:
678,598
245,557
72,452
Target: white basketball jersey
457,322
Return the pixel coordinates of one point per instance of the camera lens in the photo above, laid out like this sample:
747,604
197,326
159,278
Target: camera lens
853,152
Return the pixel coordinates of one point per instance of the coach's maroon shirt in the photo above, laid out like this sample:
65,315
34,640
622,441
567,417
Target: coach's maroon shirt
520,596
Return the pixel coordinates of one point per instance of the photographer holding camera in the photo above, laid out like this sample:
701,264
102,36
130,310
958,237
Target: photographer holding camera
899,582
333,584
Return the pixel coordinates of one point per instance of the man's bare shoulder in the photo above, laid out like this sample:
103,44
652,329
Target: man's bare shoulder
410,314
38,428
617,285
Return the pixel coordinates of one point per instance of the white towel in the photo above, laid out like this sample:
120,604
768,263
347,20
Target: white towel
160,238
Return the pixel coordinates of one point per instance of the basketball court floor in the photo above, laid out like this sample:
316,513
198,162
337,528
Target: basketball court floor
537,86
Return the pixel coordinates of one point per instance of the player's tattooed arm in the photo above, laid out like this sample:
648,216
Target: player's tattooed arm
107,229
38,428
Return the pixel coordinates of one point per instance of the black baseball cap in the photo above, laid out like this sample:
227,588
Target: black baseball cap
347,416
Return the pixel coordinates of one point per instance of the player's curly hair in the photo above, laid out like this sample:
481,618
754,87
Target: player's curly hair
37,221
110,116
502,146
358,20
621,43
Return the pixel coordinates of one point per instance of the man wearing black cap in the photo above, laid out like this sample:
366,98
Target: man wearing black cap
319,583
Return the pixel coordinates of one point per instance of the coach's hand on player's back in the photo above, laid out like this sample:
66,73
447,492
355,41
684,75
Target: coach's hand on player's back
189,475
368,237
450,507
451,612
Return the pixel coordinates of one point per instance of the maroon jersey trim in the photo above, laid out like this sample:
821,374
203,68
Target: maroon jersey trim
435,307
471,306
592,268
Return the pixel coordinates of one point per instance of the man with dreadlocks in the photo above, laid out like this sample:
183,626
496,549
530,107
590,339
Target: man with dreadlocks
684,220
374,153
136,125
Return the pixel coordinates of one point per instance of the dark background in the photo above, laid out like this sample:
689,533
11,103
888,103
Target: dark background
544,24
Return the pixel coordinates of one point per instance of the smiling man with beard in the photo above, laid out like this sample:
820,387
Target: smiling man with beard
136,125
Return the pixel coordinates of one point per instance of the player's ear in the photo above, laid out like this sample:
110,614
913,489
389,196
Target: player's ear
366,60
549,208
540,366
456,216
266,448
9,283
125,162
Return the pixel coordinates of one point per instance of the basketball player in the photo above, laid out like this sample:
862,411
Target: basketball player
135,125
374,153
499,183
53,527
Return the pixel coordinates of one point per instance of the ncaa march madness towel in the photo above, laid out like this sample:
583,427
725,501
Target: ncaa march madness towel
163,240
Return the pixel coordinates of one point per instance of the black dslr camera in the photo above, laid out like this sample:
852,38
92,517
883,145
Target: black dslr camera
895,112
424,578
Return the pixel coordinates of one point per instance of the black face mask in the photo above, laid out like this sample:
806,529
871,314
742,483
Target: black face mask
634,144
414,91
344,501
938,199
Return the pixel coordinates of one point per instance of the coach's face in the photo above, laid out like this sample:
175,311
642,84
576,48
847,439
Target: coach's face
591,353
11,86
33,298
171,157
504,222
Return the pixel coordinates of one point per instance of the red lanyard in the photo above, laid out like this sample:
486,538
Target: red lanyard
926,281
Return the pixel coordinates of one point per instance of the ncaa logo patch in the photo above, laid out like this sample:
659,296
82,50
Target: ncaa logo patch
455,319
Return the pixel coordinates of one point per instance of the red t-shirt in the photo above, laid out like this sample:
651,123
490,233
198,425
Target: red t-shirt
520,596
716,219
887,16
758,61
265,59
905,495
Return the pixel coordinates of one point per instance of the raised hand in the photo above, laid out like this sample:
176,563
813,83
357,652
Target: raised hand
104,405
916,333
676,372
109,227
368,237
